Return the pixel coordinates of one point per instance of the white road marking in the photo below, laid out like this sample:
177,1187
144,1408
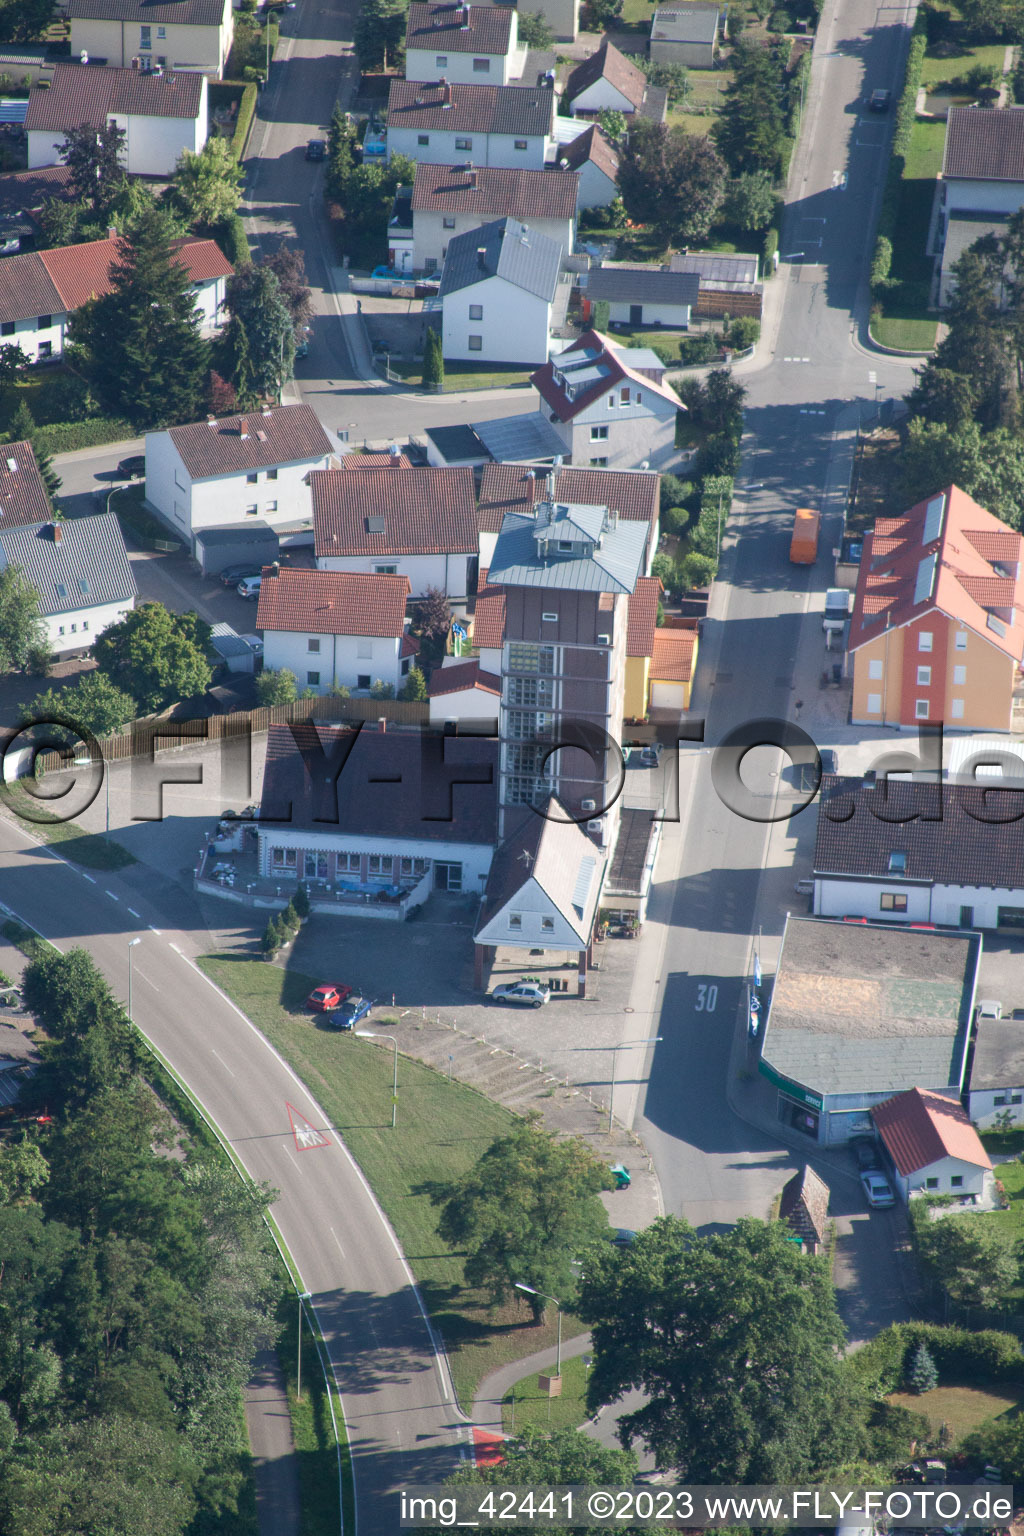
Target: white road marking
177,951
157,931
87,877
223,1063
290,1158
133,912
113,897
337,1239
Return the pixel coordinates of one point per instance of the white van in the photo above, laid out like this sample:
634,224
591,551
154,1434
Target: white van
249,586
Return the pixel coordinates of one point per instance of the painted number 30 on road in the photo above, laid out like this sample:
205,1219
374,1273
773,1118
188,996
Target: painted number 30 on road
707,997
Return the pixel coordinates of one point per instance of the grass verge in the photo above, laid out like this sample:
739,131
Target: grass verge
441,1130
459,376
527,1407
89,848
312,1429
961,1408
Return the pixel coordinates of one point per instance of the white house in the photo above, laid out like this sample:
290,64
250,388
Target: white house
443,124
79,569
645,296
238,469
594,160
335,629
448,201
932,1146
609,404
161,114
497,291
462,691
466,44
419,523
982,180
167,34
609,82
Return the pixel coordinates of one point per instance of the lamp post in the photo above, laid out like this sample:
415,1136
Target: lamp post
365,1034
303,1297
532,1291
131,945
651,1040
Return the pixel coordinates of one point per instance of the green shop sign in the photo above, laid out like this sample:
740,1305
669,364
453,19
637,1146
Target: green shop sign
802,1095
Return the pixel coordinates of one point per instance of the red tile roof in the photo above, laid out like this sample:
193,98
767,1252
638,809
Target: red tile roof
394,511
642,619
26,288
984,144
489,616
920,1128
450,29
495,192
902,578
23,498
672,655
61,280
464,674
203,259
633,493
332,603
613,372
375,460
611,65
285,434
595,146
517,110
86,93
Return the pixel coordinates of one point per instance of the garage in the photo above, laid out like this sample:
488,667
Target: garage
668,696
673,660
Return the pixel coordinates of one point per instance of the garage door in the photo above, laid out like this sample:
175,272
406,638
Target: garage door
668,696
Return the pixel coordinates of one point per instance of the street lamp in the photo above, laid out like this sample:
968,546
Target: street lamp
131,945
302,1296
532,1291
652,1040
365,1034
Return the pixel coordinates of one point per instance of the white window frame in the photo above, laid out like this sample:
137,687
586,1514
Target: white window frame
960,640
959,677
956,709
921,709
924,677
874,704
925,639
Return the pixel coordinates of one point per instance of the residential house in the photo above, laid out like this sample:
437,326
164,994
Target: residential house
642,626
498,290
24,498
154,34
79,569
804,1208
688,34
237,469
860,1011
22,195
490,125
462,693
982,181
729,284
937,631
596,163
40,290
673,664
932,1146
335,629
907,851
419,523
632,494
996,1094
609,82
568,570
399,811
448,201
604,409
463,43
542,891
161,114
962,231
641,296
489,625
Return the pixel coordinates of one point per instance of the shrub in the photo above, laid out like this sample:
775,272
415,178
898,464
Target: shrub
881,263
745,331
694,350
243,123
921,1373
270,943
300,902
768,249
67,436
276,687
231,237
958,1354
290,918
718,455
382,690
697,570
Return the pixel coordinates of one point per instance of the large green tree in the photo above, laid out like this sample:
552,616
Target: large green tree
752,125
672,180
736,1343
207,186
94,702
95,157
160,656
289,267
22,630
144,354
379,33
24,21
254,298
366,197
750,200
969,1259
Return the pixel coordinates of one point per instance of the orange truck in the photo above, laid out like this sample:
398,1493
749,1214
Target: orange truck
803,549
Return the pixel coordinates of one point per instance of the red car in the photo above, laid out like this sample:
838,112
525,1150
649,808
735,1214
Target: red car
331,995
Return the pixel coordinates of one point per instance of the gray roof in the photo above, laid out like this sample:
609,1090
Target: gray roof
964,228
505,249
639,358
523,556
85,566
998,1054
633,285
458,445
256,531
228,642
526,438
694,23
714,267
869,1008
637,831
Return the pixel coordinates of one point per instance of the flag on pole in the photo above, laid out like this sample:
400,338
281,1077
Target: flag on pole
757,969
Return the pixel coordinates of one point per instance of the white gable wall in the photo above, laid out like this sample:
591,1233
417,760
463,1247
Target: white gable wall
431,238
76,631
443,147
514,328
599,97
540,924
341,659
944,1171
192,505
965,194
449,572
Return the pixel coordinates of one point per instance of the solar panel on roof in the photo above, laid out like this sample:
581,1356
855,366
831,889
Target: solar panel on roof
925,578
933,515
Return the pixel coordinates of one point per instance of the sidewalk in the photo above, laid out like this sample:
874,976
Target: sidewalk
275,1468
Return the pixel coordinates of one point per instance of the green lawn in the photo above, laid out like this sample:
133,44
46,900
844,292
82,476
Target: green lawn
938,70
907,333
706,87
924,157
962,1408
696,123
1011,1176
526,1407
442,1129
461,376
905,322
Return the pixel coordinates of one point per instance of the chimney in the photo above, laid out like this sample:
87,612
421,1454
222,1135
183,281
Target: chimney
267,411
394,453
243,429
111,232
211,422
481,256
55,532
382,724
465,18
275,569
613,518
551,485
446,95
471,177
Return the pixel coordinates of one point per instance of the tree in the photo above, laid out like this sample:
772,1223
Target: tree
415,687
382,690
736,1343
366,198
95,157
159,656
22,21
600,14
22,631
672,180
969,1259
341,155
379,34
922,1375
289,268
751,125
750,200
221,397
276,687
236,355
13,362
434,615
145,356
300,901
976,344
64,990
534,30
525,1211
433,361
22,426
93,703
207,186
697,570
254,298
675,78
612,124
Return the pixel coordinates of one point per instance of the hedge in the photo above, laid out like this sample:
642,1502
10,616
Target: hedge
231,237
906,113
243,123
67,436
960,1355
771,245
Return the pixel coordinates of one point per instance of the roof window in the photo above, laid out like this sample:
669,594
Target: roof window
898,862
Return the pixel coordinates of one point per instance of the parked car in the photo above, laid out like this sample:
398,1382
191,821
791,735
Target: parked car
231,575
866,1153
388,272
878,1190
879,101
349,1014
624,1237
524,994
302,346
316,149
132,468
254,643
327,996
249,587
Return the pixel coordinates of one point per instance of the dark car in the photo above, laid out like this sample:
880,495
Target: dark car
133,468
233,574
352,1010
879,101
866,1153
316,149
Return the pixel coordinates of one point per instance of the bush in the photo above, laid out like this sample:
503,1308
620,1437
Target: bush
718,455
768,249
881,263
231,237
270,943
745,331
697,570
276,687
67,436
300,902
921,1373
695,350
290,918
243,123
382,690
786,149
959,1355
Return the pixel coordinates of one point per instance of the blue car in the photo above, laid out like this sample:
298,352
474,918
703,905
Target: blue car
349,1014
387,272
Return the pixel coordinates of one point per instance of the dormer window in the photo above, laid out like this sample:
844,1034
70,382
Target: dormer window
565,546
898,862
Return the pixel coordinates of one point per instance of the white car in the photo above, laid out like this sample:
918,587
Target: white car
524,993
878,1190
249,587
